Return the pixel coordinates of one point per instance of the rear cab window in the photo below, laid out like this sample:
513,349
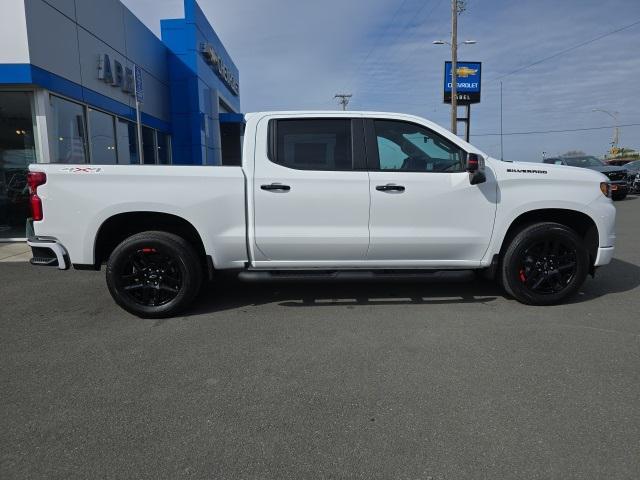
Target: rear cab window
312,143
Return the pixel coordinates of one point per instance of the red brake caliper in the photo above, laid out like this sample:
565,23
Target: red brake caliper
522,277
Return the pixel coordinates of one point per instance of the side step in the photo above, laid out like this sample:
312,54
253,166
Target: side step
45,261
48,252
351,275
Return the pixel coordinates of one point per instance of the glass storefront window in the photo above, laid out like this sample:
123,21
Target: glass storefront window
17,151
67,132
102,138
164,153
127,142
148,146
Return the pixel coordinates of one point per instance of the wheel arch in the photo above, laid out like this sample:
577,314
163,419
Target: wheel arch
120,226
578,221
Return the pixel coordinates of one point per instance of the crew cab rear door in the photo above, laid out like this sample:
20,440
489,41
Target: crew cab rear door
310,192
424,211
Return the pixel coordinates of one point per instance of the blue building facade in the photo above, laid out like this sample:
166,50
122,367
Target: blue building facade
68,76
204,83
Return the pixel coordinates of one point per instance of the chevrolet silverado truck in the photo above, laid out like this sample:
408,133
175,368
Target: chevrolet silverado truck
334,195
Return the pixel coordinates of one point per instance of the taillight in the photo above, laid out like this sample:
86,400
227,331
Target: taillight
34,180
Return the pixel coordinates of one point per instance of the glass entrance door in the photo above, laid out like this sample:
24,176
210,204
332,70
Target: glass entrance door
17,151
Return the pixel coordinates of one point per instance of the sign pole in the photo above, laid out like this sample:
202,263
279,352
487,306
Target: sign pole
138,95
468,121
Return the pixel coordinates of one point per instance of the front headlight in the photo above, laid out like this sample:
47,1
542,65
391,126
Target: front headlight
605,188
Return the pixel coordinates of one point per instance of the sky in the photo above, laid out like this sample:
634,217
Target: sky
297,54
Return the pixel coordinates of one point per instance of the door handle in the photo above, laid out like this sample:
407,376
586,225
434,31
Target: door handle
276,187
390,188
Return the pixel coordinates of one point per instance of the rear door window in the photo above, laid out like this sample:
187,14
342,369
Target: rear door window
311,143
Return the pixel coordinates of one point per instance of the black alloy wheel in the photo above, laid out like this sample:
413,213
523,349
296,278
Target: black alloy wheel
151,277
544,264
548,266
154,274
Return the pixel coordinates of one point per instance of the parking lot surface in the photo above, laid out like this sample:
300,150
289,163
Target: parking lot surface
409,381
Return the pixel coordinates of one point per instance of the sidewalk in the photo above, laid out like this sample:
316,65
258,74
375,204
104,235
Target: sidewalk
14,252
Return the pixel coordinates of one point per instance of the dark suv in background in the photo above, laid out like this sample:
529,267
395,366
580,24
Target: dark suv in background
617,175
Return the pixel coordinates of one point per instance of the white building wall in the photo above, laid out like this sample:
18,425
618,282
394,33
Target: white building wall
14,45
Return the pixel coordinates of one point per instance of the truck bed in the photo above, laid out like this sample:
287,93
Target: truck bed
78,199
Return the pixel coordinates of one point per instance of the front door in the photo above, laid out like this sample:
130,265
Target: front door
423,208
311,200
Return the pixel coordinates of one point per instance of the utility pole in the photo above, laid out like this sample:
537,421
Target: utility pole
454,67
343,99
457,7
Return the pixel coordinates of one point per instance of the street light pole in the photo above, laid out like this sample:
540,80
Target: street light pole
454,67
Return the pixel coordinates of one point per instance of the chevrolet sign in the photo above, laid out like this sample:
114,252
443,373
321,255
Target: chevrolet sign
218,66
468,82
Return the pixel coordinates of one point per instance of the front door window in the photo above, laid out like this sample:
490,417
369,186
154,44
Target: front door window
17,151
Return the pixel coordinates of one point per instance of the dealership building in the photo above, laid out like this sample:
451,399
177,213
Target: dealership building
86,82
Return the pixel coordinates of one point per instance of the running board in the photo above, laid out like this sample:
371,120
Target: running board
349,275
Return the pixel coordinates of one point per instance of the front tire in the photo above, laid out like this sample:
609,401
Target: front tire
618,197
154,274
544,264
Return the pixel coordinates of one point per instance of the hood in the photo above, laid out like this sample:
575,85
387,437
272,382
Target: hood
546,171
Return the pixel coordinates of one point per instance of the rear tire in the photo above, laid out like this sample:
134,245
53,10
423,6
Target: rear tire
154,274
544,264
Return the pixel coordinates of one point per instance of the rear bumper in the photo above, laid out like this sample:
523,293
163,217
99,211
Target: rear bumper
48,252
604,256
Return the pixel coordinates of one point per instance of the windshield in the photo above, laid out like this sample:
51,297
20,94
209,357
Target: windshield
583,162
633,166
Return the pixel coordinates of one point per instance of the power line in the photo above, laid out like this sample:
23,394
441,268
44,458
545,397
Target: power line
555,55
562,52
376,44
416,31
567,130
407,40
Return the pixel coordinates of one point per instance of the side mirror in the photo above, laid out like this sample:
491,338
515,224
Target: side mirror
475,168
473,162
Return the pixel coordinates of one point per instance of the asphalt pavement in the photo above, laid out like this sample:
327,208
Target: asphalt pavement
373,381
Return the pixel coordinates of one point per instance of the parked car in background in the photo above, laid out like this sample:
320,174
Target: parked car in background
617,175
635,184
633,176
618,162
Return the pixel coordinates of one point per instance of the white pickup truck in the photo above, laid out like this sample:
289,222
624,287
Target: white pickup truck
325,194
